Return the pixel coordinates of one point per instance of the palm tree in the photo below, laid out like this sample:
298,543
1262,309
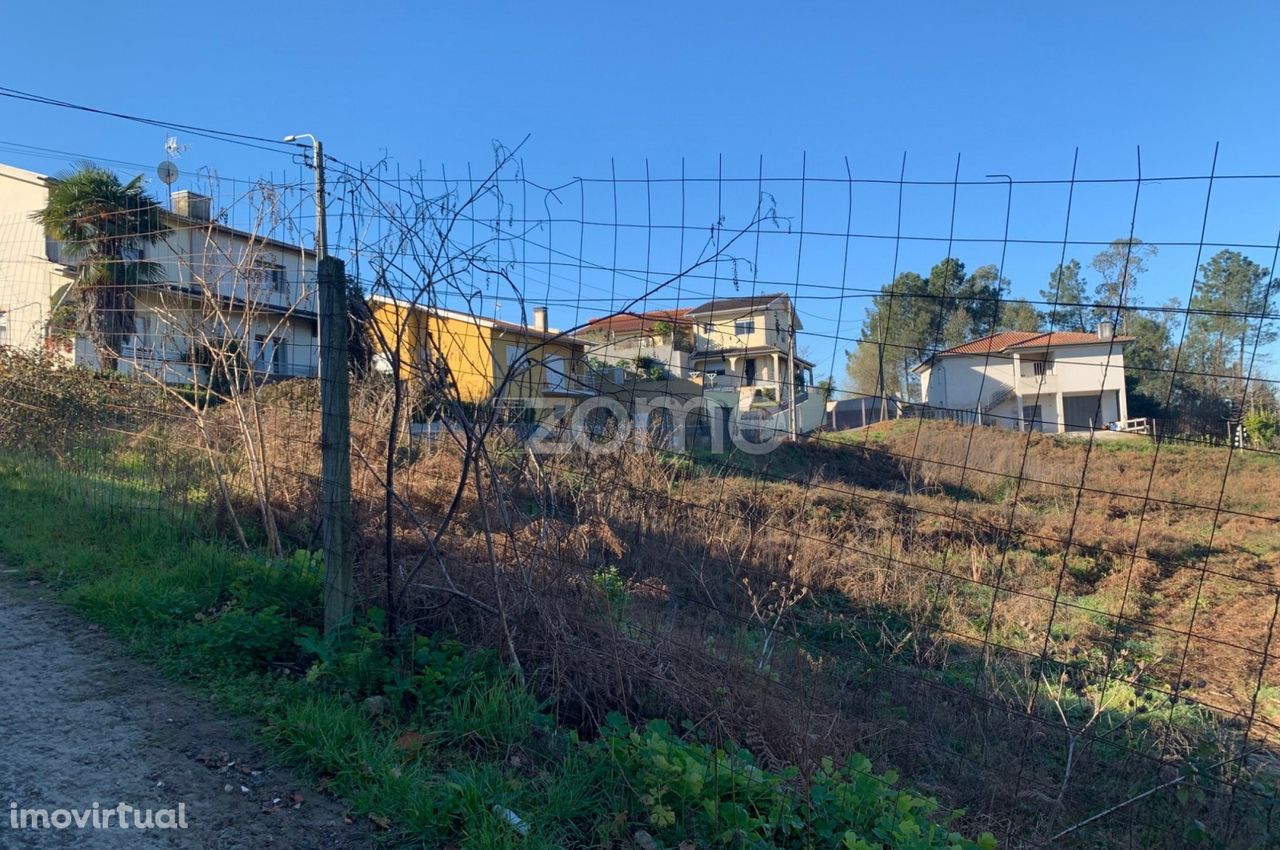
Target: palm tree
103,226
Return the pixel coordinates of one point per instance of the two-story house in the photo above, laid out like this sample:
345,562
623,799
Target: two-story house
1059,381
487,360
222,288
750,342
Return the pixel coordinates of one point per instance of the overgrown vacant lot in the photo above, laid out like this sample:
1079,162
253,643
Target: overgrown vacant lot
1032,629
1169,554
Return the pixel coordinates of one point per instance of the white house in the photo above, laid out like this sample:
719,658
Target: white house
1058,381
221,284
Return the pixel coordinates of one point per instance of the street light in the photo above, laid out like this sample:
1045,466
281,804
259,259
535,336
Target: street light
317,154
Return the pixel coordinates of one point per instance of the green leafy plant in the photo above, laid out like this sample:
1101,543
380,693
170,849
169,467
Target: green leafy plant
651,368
614,587
719,797
240,639
1261,426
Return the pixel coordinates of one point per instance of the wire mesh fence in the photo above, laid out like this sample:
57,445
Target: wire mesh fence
976,478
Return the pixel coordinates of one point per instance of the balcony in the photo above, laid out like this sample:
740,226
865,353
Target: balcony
164,355
1037,377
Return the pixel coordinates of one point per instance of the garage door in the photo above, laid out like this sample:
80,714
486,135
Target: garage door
1082,412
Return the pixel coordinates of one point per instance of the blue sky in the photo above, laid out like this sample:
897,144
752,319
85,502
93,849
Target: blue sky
600,88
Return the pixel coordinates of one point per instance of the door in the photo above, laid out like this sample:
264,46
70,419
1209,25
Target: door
1083,412
749,373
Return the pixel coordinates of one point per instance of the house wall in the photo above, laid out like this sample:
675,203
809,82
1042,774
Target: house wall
735,368
28,279
715,332
1089,368
218,262
959,382
169,325
477,355
533,379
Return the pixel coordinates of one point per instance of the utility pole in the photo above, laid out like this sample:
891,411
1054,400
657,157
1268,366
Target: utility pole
335,415
791,370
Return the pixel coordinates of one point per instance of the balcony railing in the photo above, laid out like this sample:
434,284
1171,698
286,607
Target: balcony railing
281,360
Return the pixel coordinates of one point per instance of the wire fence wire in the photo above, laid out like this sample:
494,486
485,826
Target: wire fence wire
975,477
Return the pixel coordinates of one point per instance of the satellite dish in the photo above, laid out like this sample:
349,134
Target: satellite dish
167,172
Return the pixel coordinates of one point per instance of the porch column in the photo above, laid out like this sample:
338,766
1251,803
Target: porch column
1062,417
1017,387
1124,402
777,378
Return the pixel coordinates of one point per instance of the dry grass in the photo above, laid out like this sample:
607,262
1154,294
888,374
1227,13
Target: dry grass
930,560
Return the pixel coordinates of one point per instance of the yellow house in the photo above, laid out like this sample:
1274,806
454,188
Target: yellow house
486,360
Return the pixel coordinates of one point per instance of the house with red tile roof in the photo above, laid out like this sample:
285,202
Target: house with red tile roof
1057,381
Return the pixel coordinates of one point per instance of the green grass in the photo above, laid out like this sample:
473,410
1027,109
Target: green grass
429,739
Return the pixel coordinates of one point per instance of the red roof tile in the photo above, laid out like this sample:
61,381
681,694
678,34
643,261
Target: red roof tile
622,322
1022,340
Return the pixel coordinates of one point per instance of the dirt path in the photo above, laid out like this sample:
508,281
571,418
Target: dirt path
80,723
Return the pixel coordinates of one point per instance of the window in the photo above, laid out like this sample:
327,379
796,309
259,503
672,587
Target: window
4,331
708,328
1032,416
554,371
266,276
514,353
744,327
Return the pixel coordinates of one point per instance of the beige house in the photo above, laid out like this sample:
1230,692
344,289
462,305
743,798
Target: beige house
1057,382
750,342
222,286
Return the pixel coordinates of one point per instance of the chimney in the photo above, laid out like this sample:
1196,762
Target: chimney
540,319
1106,330
190,204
